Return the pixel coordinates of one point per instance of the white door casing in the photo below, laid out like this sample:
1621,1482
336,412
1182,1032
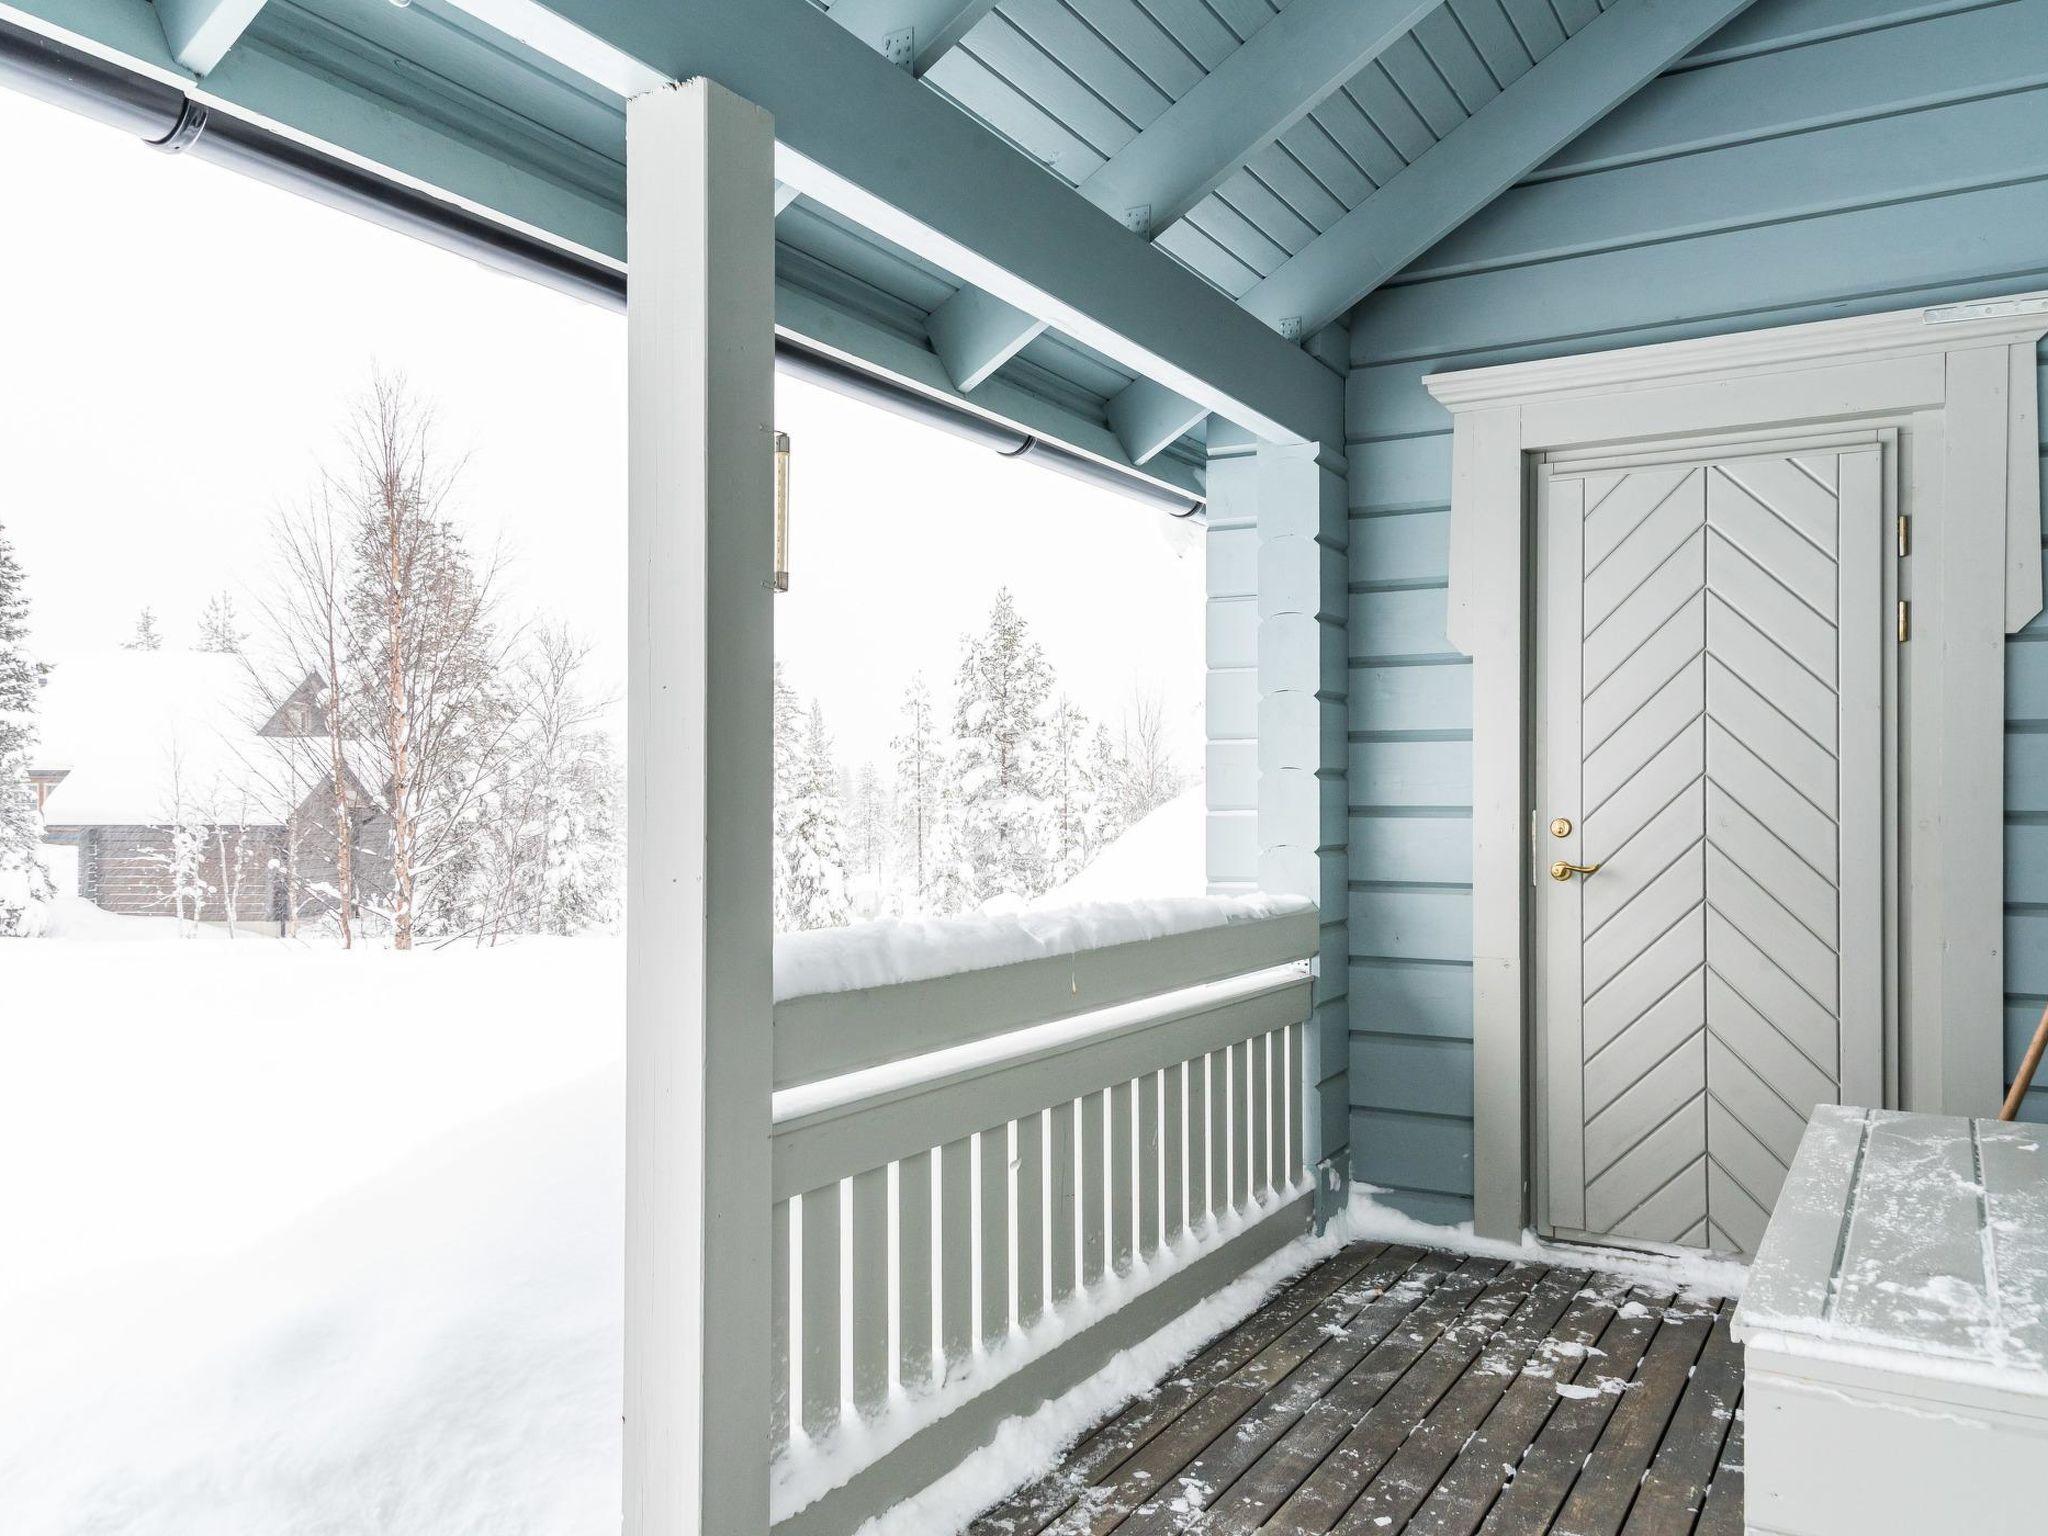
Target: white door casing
1957,384
1712,723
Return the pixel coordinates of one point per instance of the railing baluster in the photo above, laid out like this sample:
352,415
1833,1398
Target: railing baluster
1198,1141
1122,1102
1150,1088
1172,1139
995,1235
870,1244
1094,1184
1298,1089
1064,1194
1262,1114
822,1386
914,1270
1030,1218
1219,1133
778,1324
1241,1125
956,1253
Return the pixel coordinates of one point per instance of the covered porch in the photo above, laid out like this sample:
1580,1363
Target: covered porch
1406,1181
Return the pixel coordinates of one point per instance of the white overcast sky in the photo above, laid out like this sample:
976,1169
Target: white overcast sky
179,342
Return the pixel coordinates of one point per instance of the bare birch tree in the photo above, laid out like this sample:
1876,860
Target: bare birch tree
306,616
429,647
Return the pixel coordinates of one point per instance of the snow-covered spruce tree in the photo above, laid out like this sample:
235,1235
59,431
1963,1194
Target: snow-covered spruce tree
1072,804
549,836
867,841
25,890
186,833
999,728
810,838
219,630
920,792
146,637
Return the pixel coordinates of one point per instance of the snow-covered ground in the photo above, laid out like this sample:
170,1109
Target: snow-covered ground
304,1241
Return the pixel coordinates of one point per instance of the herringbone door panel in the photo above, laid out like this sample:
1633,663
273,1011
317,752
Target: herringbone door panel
1714,740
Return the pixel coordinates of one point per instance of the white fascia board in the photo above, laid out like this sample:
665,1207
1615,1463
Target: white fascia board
865,139
1599,67
200,32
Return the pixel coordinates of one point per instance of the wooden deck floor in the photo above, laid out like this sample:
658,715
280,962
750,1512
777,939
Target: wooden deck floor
1392,1390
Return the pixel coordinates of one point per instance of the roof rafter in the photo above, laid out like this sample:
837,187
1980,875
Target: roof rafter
1253,96
200,32
1599,67
935,26
861,137
1256,94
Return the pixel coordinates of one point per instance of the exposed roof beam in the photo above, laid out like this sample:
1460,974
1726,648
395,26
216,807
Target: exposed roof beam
1256,94
1148,417
935,26
200,32
862,137
1598,68
975,334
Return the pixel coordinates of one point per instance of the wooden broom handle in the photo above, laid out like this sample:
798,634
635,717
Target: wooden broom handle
2025,1080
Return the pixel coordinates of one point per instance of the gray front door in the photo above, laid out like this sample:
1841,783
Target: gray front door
1712,729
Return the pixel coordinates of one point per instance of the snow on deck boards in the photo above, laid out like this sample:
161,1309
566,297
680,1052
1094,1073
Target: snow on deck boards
1400,1390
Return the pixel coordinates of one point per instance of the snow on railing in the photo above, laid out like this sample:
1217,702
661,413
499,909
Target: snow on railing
986,1175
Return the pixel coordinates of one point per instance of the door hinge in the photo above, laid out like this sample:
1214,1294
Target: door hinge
1905,541
1905,621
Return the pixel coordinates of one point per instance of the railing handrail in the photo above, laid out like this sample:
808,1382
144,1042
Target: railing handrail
832,1034
820,1138
984,1183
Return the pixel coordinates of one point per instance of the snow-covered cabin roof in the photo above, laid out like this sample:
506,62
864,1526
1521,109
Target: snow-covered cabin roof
135,729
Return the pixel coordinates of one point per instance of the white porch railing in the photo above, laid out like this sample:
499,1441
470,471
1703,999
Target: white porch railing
985,1184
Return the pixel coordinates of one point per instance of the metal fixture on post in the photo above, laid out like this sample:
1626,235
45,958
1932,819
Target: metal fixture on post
781,582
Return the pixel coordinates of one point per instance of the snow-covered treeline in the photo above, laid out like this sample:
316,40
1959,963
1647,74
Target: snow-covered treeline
1004,791
24,881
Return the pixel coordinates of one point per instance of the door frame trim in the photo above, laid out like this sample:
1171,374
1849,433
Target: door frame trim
1960,382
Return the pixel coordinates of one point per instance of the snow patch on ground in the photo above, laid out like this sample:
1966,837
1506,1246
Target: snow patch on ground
1695,1274
896,950
1166,853
411,1360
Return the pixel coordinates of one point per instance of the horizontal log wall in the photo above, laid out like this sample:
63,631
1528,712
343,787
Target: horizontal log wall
1816,158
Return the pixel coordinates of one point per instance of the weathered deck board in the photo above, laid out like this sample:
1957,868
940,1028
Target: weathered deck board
1443,1396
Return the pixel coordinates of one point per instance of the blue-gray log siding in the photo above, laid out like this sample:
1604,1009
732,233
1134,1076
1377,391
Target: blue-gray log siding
1818,158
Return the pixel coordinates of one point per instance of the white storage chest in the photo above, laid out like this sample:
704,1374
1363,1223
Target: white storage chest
1896,1327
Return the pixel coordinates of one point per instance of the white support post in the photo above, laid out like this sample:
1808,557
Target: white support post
700,406
1304,688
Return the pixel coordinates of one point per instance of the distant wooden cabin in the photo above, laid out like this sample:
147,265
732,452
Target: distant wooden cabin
136,744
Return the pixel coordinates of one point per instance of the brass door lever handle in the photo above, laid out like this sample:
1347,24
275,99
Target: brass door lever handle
1563,871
